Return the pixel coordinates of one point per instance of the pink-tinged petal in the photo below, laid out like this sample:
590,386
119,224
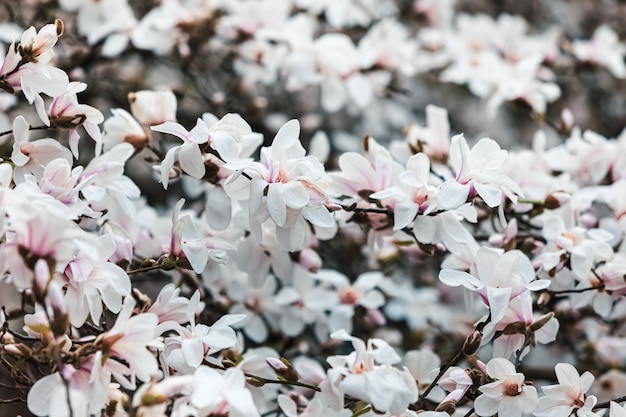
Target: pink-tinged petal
190,159
500,368
492,195
486,406
509,406
459,153
498,302
452,195
40,395
200,133
167,164
528,399
487,154
454,278
241,403
586,380
493,389
276,204
172,128
567,375
487,261
539,284
193,351
290,409
295,195
319,216
285,138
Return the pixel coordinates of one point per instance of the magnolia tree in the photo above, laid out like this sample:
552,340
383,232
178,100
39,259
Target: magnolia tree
163,254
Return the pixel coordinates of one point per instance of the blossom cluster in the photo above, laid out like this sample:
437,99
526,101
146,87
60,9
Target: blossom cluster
218,266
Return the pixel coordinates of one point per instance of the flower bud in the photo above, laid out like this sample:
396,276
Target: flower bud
556,200
310,260
472,343
447,406
542,321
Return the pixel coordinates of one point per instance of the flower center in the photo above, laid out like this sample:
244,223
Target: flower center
511,389
349,296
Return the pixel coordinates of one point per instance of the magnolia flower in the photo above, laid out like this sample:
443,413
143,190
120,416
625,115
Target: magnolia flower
497,277
568,395
188,154
32,157
186,353
128,340
519,323
65,112
604,49
358,375
153,107
478,172
508,395
286,187
222,393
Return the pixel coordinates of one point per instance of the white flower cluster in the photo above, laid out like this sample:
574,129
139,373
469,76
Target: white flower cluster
192,267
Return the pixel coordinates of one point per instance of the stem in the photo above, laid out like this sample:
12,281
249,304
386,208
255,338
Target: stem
42,127
579,290
266,380
145,269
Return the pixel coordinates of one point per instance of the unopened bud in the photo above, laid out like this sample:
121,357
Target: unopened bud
310,260
447,407
517,327
543,320
555,200
566,123
283,368
255,381
277,365
472,343
150,399
543,299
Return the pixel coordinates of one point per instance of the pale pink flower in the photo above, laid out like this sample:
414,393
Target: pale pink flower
478,172
286,186
66,112
153,107
604,49
122,127
93,281
497,277
188,154
223,393
519,315
32,157
367,374
360,293
568,395
508,395
128,340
